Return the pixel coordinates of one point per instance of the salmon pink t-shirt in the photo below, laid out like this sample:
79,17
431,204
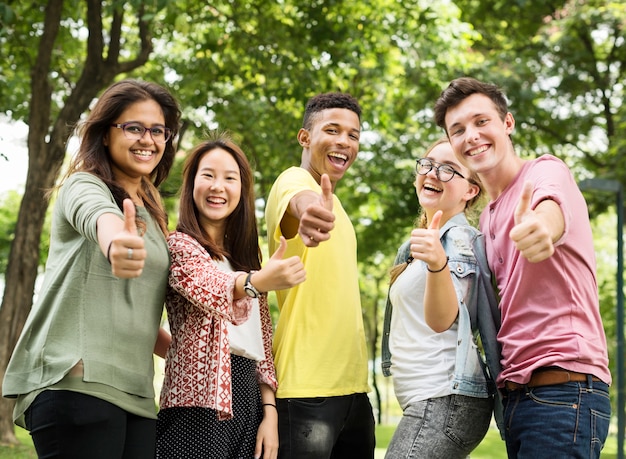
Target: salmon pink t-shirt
550,310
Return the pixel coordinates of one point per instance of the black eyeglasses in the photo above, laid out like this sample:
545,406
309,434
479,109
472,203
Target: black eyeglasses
136,131
444,172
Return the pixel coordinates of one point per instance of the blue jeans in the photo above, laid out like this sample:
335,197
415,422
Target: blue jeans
326,427
564,420
71,425
441,428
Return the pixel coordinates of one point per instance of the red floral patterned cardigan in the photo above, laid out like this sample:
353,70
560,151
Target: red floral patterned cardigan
199,306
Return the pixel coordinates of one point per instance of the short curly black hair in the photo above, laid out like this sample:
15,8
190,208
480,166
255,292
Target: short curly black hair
326,101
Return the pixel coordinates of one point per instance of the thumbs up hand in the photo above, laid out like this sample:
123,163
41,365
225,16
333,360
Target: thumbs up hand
126,251
279,273
531,234
426,245
318,219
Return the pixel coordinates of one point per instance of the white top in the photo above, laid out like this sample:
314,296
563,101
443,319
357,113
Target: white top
422,361
245,339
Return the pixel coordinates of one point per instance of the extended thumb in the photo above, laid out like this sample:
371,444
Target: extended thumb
523,206
436,221
280,251
327,192
130,225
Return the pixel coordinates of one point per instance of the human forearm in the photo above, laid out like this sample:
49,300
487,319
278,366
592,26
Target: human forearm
162,343
267,435
440,300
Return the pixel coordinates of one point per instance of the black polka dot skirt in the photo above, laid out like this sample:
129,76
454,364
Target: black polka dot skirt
195,433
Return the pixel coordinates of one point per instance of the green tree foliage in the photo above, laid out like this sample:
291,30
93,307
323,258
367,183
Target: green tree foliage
61,69
604,230
9,207
248,66
563,65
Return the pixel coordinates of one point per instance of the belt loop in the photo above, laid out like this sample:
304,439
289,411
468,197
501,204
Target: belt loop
590,382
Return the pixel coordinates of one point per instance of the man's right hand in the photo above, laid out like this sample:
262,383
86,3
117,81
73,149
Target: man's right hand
318,219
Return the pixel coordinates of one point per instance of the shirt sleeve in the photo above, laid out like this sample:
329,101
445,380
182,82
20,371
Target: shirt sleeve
552,180
196,277
266,373
82,199
291,182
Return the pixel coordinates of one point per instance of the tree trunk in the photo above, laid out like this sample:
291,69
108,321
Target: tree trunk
20,278
46,150
42,170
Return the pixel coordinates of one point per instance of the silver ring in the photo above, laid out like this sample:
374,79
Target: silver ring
312,238
129,254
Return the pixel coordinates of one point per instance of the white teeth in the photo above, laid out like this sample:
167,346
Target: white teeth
338,155
432,187
142,152
478,150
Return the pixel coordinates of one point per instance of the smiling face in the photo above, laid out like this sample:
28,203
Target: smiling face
217,189
450,197
133,159
479,136
331,145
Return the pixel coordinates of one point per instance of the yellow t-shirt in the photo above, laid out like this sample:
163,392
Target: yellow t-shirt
319,342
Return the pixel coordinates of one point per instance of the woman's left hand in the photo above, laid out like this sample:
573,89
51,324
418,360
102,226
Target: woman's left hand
267,435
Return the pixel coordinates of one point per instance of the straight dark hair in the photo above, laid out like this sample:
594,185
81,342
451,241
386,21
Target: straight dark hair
241,239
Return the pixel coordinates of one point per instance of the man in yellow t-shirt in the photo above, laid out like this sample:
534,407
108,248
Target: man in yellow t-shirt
319,344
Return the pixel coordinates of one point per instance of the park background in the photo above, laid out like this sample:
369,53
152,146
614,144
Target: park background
248,66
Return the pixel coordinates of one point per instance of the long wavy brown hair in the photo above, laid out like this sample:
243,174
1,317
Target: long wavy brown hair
93,155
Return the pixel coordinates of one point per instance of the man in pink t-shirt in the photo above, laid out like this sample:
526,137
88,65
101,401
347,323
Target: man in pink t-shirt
540,250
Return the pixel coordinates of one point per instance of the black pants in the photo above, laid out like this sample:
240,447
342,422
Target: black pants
71,425
196,433
339,427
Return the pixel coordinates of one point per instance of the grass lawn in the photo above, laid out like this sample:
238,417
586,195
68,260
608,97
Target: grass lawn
23,451
490,448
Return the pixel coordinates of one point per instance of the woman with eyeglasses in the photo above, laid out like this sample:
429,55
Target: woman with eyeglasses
440,296
82,371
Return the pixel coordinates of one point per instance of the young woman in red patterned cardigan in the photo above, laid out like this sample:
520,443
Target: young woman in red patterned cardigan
217,399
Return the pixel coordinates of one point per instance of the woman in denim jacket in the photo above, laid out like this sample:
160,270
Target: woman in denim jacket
441,296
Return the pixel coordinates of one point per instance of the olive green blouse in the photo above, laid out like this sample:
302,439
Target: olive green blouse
83,313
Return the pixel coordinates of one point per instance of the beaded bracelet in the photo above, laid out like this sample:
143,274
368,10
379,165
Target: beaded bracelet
438,270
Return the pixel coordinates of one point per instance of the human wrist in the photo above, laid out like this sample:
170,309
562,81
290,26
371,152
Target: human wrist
440,269
250,287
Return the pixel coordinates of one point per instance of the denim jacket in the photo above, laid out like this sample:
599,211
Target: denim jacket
484,319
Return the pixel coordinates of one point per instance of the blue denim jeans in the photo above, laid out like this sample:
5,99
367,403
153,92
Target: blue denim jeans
441,428
326,427
564,420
